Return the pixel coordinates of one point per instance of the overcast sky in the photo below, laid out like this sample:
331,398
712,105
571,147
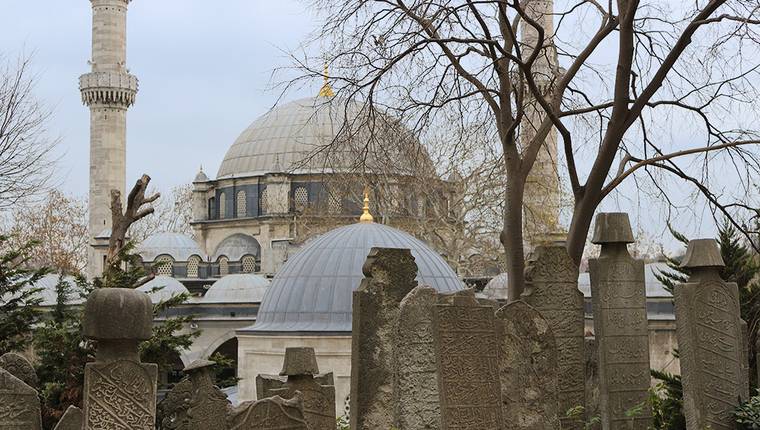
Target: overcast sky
205,73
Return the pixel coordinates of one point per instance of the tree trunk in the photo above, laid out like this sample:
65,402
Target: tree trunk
583,214
512,235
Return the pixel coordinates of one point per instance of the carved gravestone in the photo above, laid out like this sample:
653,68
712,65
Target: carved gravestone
18,366
620,324
19,404
195,402
757,359
300,368
745,359
467,357
72,419
119,390
414,366
527,368
266,383
708,328
592,380
389,275
552,289
273,413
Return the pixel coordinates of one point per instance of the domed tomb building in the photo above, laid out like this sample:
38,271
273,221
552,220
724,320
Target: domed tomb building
300,170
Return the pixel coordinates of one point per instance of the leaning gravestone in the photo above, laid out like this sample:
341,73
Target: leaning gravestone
18,366
119,390
620,325
389,275
274,413
19,404
552,289
72,419
300,368
415,373
708,328
467,358
527,368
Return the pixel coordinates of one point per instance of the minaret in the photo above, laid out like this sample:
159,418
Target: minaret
108,90
542,190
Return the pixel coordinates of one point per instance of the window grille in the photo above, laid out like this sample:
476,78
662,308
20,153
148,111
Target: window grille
249,264
163,266
301,198
222,205
224,266
192,266
242,206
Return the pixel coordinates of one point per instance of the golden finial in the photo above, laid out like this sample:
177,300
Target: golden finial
366,217
326,90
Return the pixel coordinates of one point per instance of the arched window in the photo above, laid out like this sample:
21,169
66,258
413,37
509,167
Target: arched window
192,266
224,266
241,204
163,266
264,202
222,205
301,198
248,263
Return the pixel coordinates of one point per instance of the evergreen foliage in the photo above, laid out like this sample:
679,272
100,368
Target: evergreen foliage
747,415
18,297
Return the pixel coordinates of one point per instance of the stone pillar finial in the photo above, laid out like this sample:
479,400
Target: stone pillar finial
299,362
612,227
702,253
118,314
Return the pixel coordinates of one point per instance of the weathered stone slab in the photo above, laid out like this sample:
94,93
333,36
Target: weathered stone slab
527,368
266,383
300,368
709,339
389,276
467,357
18,366
620,324
72,419
745,359
416,377
274,413
119,390
19,404
552,289
592,380
195,403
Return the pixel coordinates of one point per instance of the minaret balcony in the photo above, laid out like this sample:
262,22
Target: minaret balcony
108,88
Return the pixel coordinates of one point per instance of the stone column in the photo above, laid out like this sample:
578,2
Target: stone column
552,289
620,324
119,390
527,368
389,275
709,339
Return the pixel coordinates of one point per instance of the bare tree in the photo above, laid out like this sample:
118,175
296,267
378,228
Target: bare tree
669,64
138,207
172,214
25,147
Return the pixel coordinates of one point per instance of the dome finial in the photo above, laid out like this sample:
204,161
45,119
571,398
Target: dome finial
326,90
366,216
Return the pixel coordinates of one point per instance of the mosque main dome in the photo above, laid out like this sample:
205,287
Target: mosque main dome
313,290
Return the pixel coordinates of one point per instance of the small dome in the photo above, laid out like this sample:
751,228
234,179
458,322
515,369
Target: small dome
236,246
170,287
48,294
497,287
281,140
312,292
237,288
177,245
201,177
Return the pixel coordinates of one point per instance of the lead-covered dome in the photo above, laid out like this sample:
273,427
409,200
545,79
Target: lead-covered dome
292,138
237,288
313,290
163,288
177,245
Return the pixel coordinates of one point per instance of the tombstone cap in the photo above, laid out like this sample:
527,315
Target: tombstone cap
299,361
612,227
702,253
198,364
118,314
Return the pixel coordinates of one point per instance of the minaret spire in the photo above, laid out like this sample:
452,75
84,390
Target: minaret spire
108,90
326,90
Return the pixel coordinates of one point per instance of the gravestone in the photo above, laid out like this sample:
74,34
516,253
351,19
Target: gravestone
18,366
552,289
72,419
389,275
527,368
708,328
416,378
757,359
119,390
195,403
266,383
19,404
467,358
592,380
745,359
273,413
620,325
300,368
